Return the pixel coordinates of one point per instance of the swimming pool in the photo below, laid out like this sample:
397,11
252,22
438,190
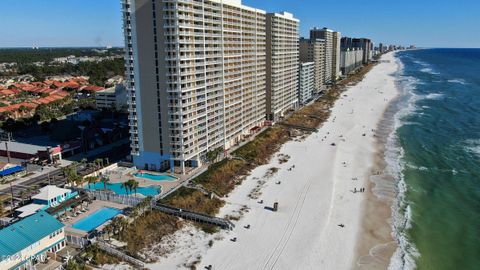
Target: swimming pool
154,177
118,189
96,219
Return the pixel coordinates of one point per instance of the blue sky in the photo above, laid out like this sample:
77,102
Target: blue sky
427,23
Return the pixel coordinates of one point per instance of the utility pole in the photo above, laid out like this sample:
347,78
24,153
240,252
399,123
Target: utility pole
8,152
7,139
11,203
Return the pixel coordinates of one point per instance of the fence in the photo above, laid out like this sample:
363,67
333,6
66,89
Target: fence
77,240
102,170
113,251
112,197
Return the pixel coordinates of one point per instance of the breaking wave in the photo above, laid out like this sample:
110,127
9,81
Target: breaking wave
473,147
429,71
459,81
406,252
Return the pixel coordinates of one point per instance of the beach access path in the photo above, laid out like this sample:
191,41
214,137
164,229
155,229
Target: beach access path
319,213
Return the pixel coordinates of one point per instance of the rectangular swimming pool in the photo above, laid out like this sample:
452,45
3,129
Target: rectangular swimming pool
96,219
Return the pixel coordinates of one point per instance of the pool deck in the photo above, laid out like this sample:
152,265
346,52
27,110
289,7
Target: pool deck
94,206
166,185
123,174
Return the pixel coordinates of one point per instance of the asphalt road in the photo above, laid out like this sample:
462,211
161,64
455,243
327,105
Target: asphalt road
31,186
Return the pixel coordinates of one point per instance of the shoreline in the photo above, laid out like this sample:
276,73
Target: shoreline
314,188
376,244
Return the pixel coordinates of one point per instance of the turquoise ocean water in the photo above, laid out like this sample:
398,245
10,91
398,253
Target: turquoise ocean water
436,149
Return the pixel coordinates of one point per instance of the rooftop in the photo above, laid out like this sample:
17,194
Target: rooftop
29,209
26,232
24,147
50,192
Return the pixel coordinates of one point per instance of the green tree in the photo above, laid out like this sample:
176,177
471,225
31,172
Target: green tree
98,163
105,180
91,180
126,186
134,186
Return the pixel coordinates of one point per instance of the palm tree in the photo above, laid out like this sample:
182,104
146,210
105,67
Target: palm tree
91,180
125,185
74,166
98,163
134,185
84,161
65,171
105,180
72,177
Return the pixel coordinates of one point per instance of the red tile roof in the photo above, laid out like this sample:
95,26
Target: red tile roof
8,92
92,88
15,107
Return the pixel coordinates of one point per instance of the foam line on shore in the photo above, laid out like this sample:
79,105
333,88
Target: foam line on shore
305,232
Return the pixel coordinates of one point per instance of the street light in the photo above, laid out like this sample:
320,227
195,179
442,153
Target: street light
6,136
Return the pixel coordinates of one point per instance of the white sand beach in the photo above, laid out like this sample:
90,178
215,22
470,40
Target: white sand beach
315,196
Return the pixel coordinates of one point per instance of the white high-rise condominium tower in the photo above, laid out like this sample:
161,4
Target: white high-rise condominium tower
196,74
337,36
306,83
282,64
327,35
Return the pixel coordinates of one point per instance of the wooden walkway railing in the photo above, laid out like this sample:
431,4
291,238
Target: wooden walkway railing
178,212
189,215
115,252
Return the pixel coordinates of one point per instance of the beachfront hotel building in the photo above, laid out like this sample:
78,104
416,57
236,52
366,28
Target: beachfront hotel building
306,82
313,50
30,241
366,45
336,55
350,60
196,76
282,64
327,35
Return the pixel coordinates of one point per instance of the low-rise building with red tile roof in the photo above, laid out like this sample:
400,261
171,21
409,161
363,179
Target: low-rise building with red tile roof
92,88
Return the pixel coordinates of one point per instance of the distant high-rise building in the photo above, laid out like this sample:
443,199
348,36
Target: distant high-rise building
282,64
336,55
366,46
350,59
313,50
196,76
306,82
327,35
346,43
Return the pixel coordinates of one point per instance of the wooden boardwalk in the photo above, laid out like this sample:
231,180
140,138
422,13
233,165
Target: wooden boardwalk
197,217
